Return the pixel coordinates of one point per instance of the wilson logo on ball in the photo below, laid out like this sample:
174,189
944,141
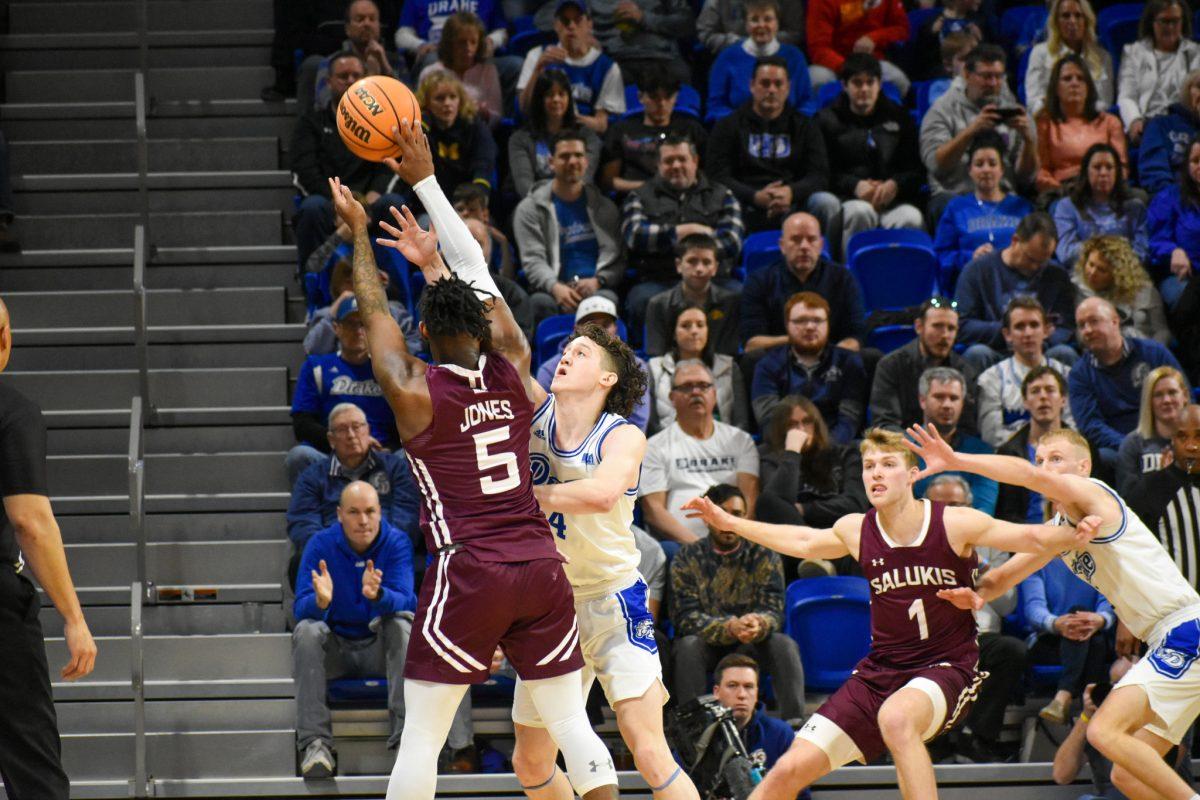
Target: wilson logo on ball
356,130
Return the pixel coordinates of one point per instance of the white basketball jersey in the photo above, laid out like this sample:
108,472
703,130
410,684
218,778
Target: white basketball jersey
602,554
1131,569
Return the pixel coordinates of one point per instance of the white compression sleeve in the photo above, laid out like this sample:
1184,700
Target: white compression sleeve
560,704
463,255
428,711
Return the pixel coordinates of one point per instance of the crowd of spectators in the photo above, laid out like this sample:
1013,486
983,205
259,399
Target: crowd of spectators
617,158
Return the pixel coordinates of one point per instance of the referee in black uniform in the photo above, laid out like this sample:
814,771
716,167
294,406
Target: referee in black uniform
30,761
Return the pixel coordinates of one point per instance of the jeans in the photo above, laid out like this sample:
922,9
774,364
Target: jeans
314,221
982,356
300,458
778,656
1082,662
825,206
1003,658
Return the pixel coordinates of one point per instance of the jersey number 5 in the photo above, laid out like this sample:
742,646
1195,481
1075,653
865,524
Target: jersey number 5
490,461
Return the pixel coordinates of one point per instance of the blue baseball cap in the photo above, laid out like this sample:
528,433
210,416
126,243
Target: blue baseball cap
346,308
580,4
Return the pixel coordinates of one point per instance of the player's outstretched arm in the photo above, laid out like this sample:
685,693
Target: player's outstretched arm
968,527
462,253
620,462
1077,495
392,362
792,540
996,582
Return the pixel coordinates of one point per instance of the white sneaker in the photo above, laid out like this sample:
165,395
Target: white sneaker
318,761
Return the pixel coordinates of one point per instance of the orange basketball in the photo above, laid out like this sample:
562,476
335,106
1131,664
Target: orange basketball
369,110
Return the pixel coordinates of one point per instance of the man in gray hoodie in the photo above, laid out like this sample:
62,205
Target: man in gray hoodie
569,235
977,101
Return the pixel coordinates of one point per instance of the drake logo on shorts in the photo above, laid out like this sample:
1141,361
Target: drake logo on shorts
1175,656
639,625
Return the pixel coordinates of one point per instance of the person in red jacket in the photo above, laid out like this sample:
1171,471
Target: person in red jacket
837,28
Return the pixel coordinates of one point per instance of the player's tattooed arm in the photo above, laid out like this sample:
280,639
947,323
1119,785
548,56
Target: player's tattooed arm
793,540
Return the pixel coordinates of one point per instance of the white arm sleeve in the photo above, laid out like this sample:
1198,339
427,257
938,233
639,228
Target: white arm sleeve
462,253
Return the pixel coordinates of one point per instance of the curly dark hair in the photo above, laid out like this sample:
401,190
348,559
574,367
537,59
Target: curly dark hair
630,387
449,306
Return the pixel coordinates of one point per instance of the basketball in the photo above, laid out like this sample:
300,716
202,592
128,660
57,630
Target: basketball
369,110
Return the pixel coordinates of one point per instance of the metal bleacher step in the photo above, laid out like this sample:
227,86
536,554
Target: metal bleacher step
165,307
80,270
195,482
206,347
206,754
169,191
176,619
167,84
183,716
227,525
52,16
99,397
119,49
177,229
182,667
254,566
191,439
169,119
165,155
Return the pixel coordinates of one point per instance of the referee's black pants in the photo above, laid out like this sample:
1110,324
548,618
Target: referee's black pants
30,756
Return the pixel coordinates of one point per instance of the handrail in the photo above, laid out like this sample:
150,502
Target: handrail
143,148
142,782
141,338
137,492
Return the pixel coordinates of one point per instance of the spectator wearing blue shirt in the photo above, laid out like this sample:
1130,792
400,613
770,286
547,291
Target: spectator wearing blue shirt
982,220
735,686
990,281
354,612
421,23
1099,204
595,80
568,235
832,377
1106,383
1067,617
942,391
315,496
325,381
1165,140
1173,224
801,269
602,311
729,78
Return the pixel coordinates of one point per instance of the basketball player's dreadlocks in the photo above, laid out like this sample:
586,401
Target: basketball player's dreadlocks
449,306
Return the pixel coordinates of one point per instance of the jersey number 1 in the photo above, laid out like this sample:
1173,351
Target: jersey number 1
917,609
490,461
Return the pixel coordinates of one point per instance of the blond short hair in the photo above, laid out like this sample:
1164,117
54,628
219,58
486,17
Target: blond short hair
888,442
1069,435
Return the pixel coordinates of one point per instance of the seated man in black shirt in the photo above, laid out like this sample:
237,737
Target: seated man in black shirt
631,145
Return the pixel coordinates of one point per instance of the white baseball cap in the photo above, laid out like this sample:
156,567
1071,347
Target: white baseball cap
596,304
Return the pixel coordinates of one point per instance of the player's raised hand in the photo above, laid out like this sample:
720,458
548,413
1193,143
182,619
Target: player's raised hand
929,445
348,209
415,243
322,583
416,161
963,597
1087,529
710,512
372,581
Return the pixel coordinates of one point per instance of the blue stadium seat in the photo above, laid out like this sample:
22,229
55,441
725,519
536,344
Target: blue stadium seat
830,619
1116,26
551,331
926,93
687,102
521,43
1022,68
894,274
1014,22
758,250
890,337
884,236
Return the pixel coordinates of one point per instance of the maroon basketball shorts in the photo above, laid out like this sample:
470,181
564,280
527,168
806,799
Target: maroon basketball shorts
468,606
846,727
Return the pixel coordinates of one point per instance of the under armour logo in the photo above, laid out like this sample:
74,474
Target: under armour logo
595,765
876,562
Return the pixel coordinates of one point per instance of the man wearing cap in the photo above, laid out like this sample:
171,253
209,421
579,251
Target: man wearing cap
596,83
343,376
597,310
568,234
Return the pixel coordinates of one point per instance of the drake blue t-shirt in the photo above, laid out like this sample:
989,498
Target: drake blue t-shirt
578,249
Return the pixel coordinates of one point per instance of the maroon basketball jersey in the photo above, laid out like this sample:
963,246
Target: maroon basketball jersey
910,626
472,465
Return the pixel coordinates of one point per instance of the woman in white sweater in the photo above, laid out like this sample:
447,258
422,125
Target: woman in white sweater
1070,28
1155,66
